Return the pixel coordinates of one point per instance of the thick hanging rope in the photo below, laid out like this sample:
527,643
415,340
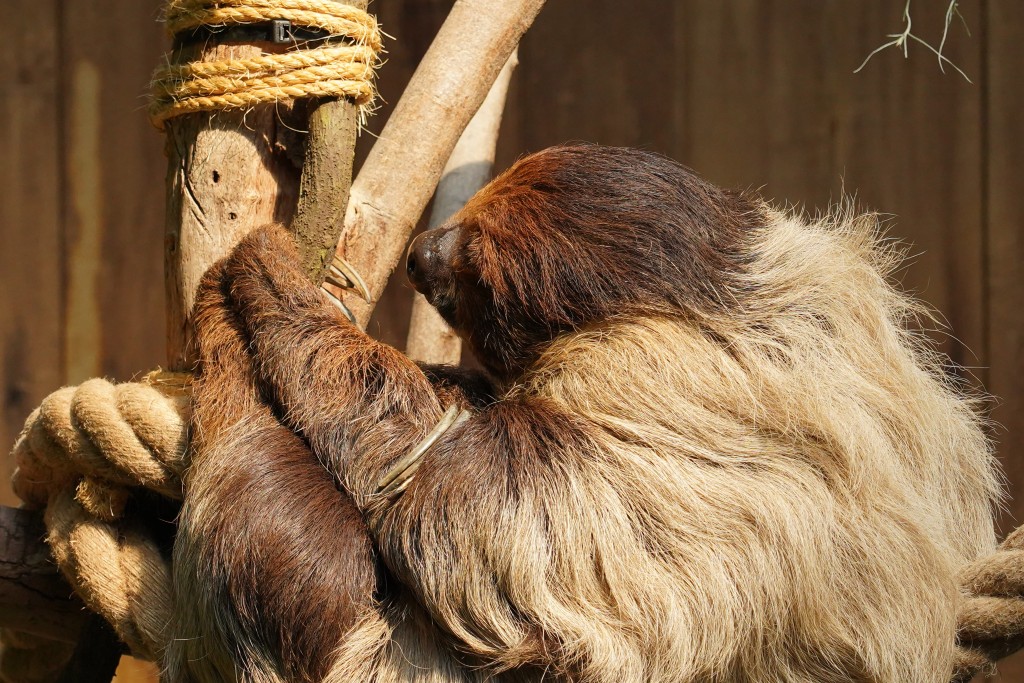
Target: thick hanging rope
990,624
342,63
81,455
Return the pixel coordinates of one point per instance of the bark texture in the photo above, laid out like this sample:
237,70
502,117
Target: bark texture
403,168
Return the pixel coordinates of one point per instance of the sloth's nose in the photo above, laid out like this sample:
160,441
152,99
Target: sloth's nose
427,261
415,265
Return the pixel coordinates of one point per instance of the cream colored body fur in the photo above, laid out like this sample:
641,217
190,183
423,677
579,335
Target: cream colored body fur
812,487
783,493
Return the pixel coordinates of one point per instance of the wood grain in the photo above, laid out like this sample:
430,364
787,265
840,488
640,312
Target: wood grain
113,165
33,595
413,24
401,171
596,75
469,168
772,103
907,140
31,256
326,180
1005,204
226,174
1004,153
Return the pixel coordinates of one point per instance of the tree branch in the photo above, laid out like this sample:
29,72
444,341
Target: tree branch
326,180
403,168
468,169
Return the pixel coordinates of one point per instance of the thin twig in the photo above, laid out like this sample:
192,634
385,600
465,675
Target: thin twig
901,41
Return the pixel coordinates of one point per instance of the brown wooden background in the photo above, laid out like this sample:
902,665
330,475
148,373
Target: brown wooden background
751,93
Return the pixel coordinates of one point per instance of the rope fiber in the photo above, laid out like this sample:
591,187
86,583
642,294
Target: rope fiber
82,455
343,66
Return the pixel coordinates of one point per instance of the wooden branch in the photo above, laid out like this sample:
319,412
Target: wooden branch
403,168
469,168
34,598
326,180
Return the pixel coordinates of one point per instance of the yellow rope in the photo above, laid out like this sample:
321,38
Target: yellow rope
326,71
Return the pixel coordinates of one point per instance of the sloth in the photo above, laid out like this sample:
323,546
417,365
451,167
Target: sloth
707,445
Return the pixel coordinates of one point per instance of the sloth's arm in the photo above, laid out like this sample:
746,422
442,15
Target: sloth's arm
268,552
502,523
342,390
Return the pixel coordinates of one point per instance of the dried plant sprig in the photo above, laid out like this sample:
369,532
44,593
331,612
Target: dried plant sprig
901,40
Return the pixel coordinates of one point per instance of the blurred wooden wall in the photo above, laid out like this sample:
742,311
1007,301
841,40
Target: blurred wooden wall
751,93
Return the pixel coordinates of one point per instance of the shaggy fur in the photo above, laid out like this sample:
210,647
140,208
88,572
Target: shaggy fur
715,453
263,526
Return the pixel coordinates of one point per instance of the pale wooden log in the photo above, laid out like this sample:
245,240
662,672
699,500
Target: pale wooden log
469,168
403,168
226,175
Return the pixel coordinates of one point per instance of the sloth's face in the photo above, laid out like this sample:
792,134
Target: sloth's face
442,264
433,262
572,236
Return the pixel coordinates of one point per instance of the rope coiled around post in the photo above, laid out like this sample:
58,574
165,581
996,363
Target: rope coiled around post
343,66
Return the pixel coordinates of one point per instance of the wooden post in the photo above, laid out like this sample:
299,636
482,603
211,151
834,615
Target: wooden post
226,175
229,172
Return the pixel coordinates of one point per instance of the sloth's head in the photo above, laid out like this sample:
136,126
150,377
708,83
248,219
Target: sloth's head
572,236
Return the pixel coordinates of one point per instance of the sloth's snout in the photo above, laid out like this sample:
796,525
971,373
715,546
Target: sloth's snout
429,259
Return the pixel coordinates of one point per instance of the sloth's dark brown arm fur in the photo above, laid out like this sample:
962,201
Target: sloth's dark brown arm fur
362,405
333,384
272,562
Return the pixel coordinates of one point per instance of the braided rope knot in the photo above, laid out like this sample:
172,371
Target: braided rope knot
329,70
81,455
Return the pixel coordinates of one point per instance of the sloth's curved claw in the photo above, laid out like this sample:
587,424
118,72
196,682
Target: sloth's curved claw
342,274
401,473
340,305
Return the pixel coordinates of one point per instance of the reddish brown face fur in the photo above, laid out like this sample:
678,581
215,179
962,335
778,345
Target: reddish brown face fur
574,235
